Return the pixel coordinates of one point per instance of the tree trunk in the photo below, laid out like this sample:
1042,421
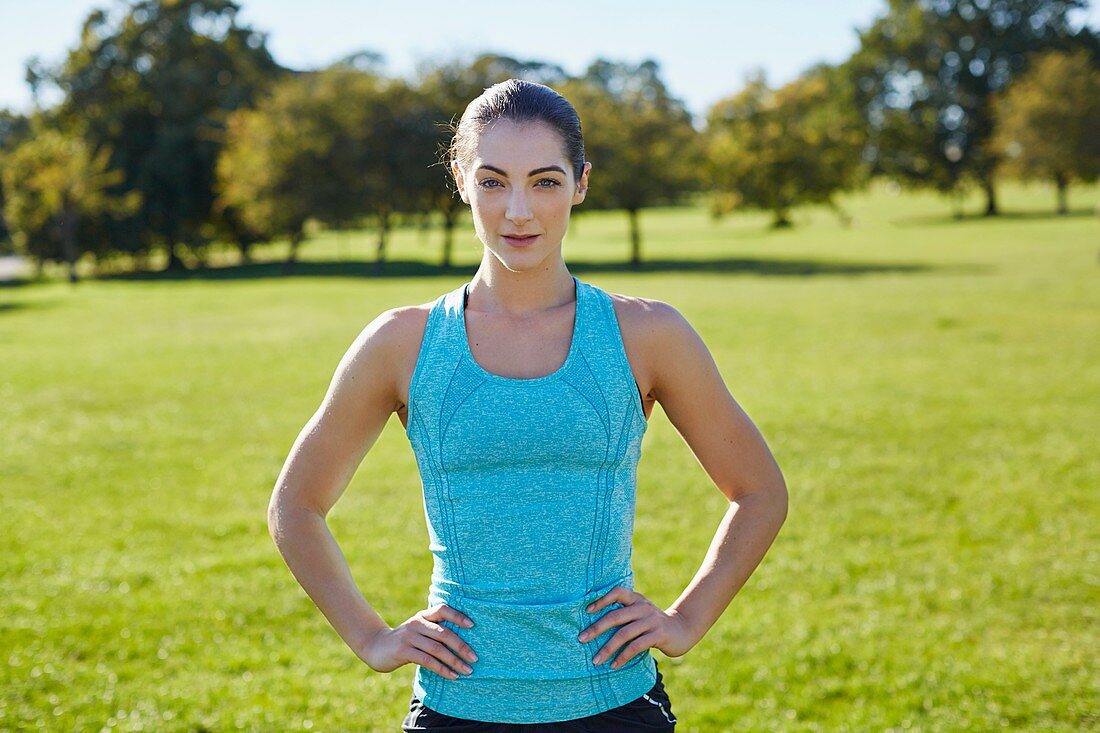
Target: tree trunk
782,220
990,197
1062,182
424,228
635,239
380,251
448,236
245,249
295,242
174,261
844,217
68,240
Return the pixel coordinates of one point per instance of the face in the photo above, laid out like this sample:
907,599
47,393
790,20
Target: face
521,190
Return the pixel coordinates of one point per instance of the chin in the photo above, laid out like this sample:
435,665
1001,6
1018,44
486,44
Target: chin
521,261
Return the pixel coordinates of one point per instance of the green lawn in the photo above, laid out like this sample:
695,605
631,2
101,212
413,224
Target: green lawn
929,387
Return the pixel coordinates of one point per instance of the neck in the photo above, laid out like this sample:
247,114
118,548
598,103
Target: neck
496,289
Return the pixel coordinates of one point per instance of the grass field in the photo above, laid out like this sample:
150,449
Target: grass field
929,387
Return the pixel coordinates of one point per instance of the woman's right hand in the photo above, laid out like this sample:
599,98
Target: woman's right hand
422,640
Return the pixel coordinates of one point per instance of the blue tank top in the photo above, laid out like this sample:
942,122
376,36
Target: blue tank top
529,495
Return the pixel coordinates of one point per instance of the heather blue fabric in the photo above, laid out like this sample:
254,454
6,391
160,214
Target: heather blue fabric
529,496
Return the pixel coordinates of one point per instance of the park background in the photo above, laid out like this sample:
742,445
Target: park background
892,256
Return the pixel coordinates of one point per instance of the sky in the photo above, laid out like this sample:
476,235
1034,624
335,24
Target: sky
705,48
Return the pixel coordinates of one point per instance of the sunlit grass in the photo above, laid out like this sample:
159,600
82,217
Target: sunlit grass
929,387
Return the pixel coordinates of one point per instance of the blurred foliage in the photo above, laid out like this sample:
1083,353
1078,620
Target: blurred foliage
778,149
55,179
927,70
155,87
1048,122
13,127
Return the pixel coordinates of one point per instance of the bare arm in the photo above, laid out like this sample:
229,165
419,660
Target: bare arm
322,461
684,378
359,401
731,450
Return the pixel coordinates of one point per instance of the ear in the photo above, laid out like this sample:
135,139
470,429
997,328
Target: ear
582,184
459,181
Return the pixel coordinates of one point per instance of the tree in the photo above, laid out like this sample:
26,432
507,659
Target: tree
1049,121
155,87
53,180
394,136
778,149
335,145
13,127
290,158
927,71
639,138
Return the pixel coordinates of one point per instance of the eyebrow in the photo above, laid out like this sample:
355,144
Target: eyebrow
544,169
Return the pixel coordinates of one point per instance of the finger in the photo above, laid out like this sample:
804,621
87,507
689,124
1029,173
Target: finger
450,638
613,595
441,653
427,661
618,617
453,614
634,648
445,612
620,637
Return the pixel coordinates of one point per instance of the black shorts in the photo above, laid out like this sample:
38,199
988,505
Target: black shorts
650,713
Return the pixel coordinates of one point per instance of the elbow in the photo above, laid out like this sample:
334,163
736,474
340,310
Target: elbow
278,515
771,497
780,496
285,513
273,512
783,503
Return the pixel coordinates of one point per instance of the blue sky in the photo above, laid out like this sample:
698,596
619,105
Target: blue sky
705,47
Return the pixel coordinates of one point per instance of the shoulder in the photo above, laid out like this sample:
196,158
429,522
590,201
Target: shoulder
649,319
385,350
658,341
393,329
397,325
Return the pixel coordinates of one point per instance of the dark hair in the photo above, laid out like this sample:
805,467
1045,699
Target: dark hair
520,101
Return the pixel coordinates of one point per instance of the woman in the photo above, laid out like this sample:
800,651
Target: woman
525,394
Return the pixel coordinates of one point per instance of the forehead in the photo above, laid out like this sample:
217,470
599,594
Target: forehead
521,145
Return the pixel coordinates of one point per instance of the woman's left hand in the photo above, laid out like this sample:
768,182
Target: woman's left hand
643,624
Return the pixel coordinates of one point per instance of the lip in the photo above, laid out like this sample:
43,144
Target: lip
521,241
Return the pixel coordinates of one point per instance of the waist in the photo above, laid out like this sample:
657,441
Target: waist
531,640
531,668
504,700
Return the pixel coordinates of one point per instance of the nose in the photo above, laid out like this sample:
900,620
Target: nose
518,209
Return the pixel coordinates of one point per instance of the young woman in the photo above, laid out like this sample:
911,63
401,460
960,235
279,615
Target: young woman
525,394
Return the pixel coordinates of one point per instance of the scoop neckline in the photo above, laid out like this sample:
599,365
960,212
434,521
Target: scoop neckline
574,344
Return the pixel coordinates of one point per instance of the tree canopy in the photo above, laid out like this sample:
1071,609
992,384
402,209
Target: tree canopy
156,86
927,71
1048,122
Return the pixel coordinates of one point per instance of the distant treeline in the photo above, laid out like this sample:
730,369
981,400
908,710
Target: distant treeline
177,129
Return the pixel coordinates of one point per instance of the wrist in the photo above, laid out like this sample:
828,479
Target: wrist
364,641
689,633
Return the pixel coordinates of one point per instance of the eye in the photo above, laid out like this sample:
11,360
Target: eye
485,182
551,181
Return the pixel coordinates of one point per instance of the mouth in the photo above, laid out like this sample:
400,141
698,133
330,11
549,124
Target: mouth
521,241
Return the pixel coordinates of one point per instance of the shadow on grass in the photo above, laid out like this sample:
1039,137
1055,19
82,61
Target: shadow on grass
417,269
1007,216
